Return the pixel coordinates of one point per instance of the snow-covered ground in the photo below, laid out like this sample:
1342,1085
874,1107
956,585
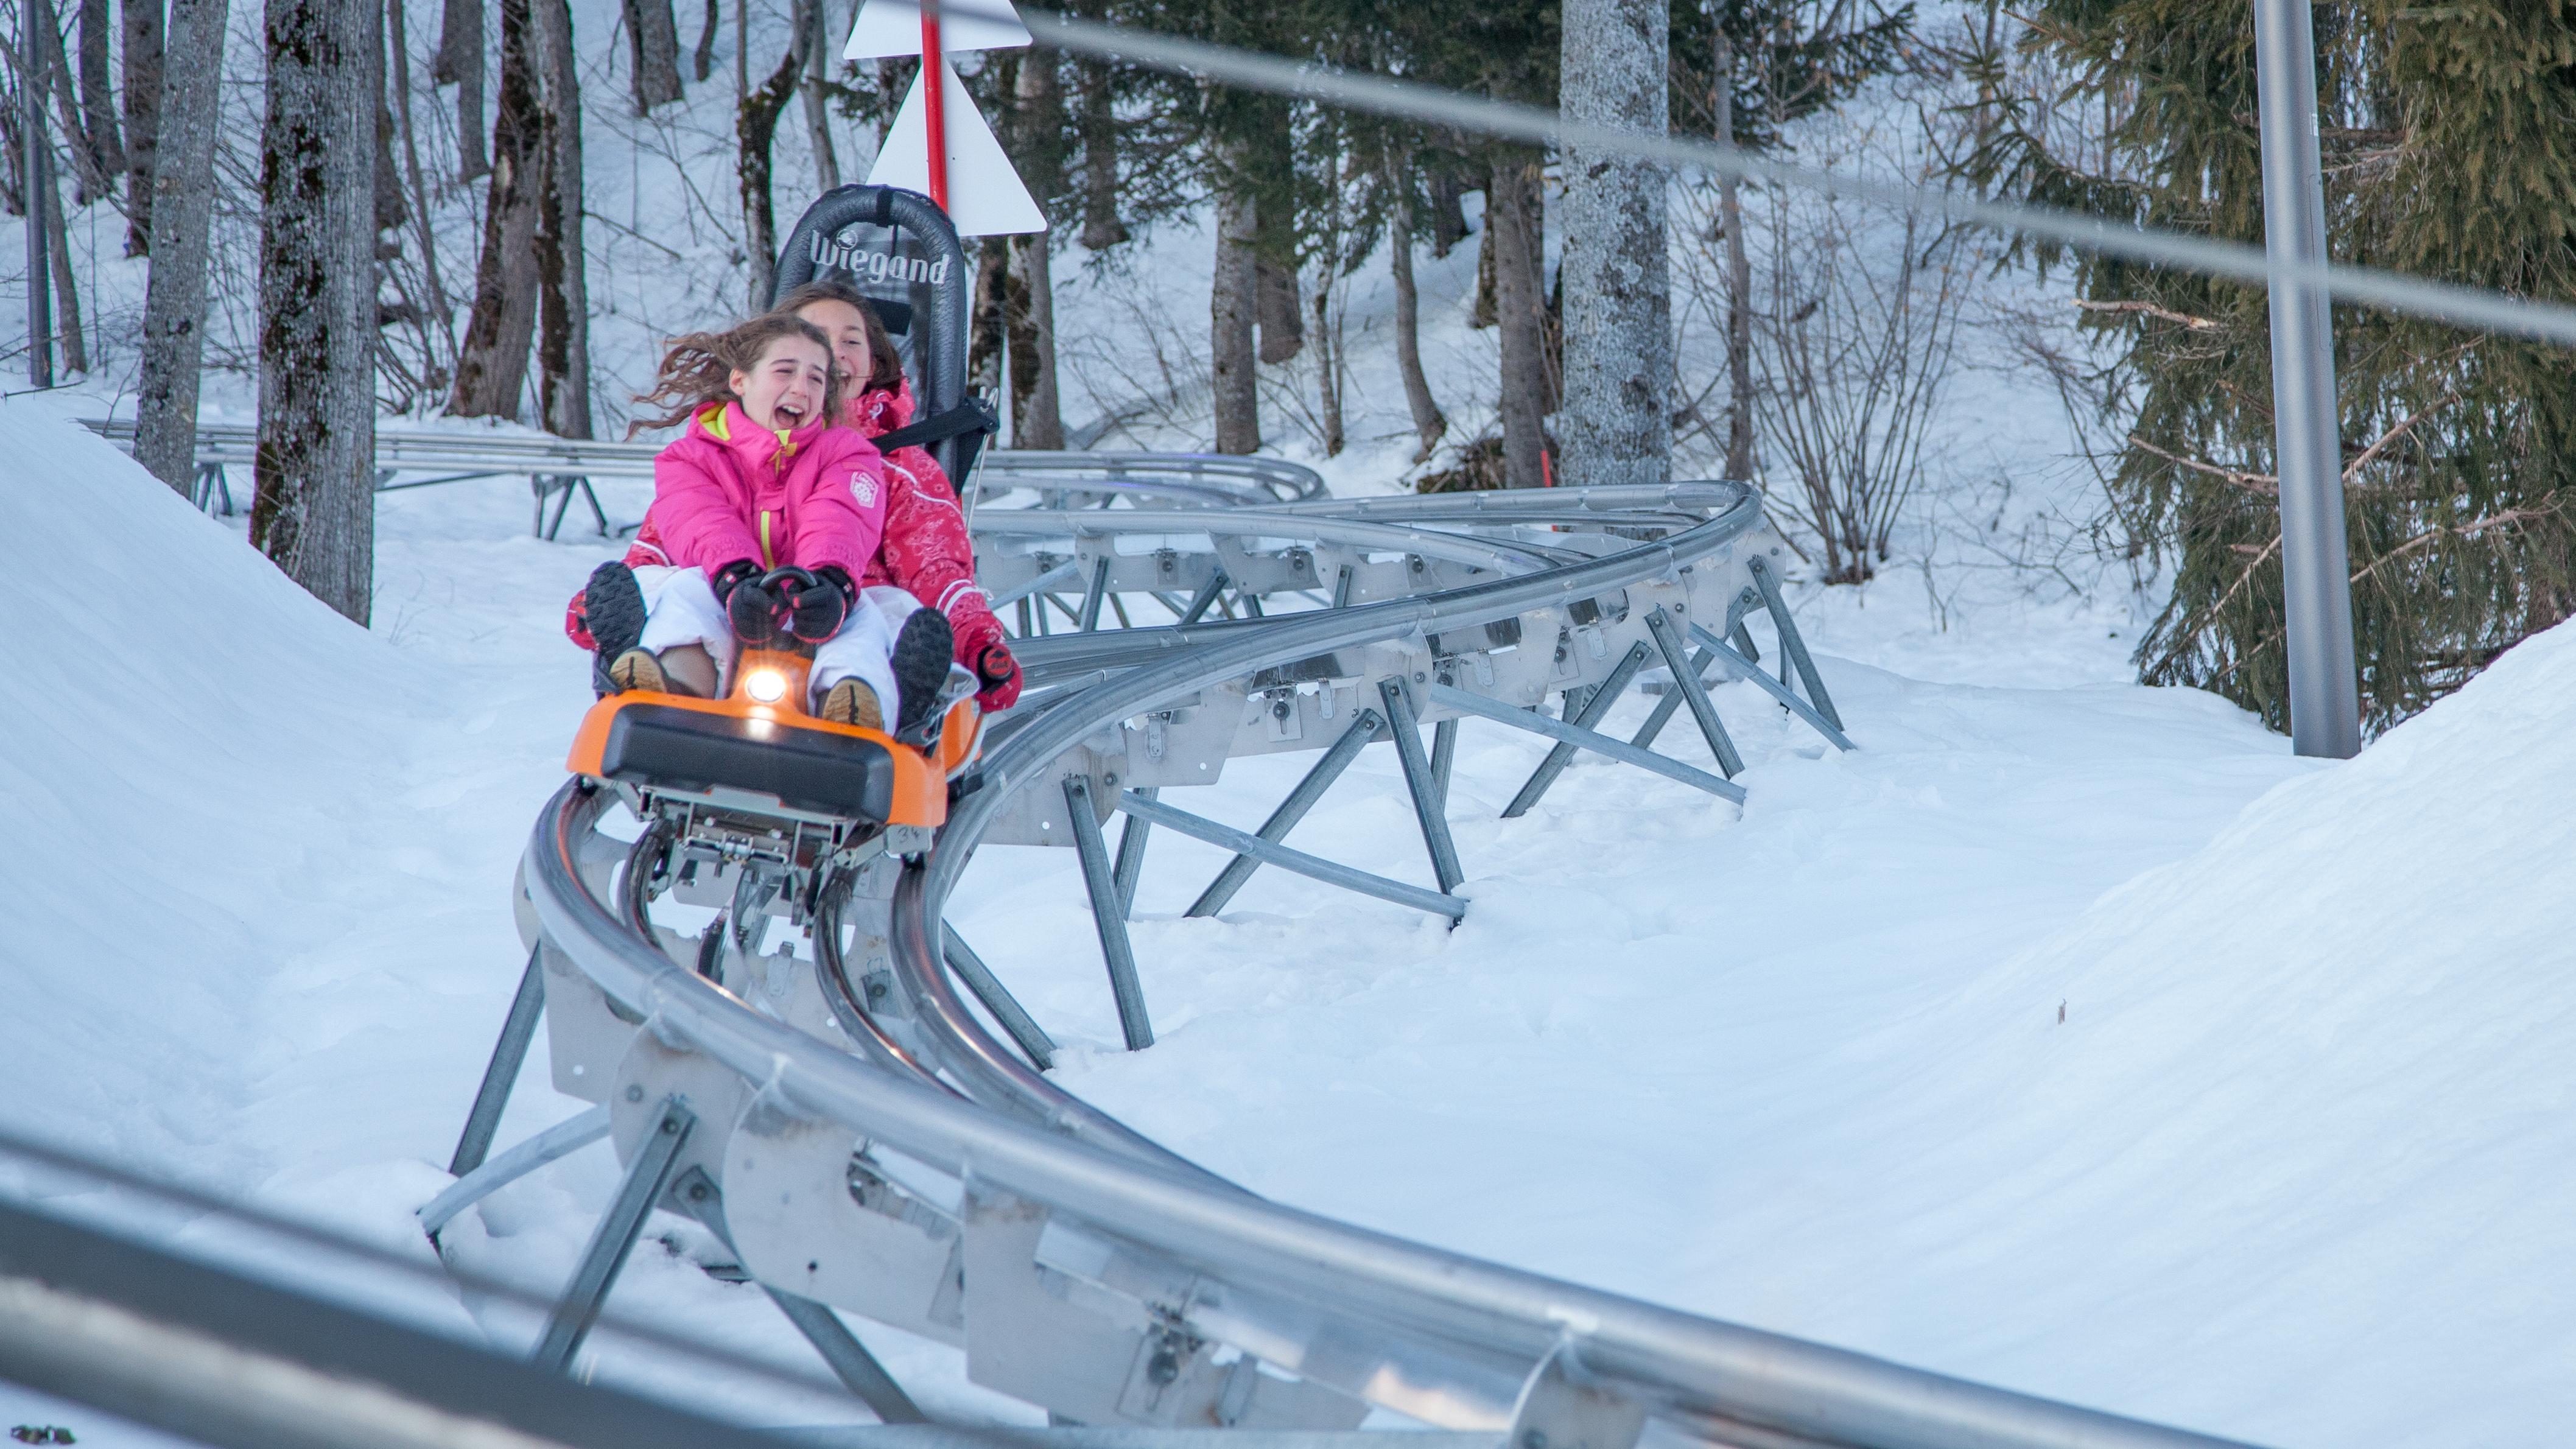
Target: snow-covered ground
2291,1166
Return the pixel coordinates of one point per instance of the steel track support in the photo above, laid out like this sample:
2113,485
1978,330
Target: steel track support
1428,807
1314,867
1131,855
1561,754
1089,620
1444,760
1107,915
1693,693
614,1238
1023,1028
561,1140
850,1362
1337,758
1791,644
500,1074
1206,597
1342,586
1670,705
1789,700
1599,744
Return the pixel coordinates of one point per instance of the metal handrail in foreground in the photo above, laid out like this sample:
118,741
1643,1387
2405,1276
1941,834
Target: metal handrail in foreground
1497,1331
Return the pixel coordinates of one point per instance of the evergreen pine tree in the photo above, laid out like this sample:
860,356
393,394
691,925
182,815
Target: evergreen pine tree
2449,141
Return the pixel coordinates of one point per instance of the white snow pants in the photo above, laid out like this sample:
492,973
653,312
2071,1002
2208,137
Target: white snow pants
681,608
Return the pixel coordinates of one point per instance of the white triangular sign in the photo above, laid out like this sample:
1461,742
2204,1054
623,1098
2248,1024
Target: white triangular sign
893,27
985,197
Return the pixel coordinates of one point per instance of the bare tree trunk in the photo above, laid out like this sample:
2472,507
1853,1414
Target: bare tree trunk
1616,426
492,365
90,177
1283,330
1739,280
819,60
755,133
67,316
1328,365
1513,220
989,325
1448,217
1484,314
460,64
653,42
1231,308
315,513
143,82
398,62
1037,419
97,92
1098,124
392,200
183,208
704,61
563,307
1428,423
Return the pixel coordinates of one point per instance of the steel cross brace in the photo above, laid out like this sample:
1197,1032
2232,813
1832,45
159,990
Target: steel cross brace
1686,683
1206,596
1337,758
614,1238
850,1362
1600,744
1131,855
561,1140
1428,806
979,978
1315,867
502,1073
1089,619
1789,700
1108,915
1791,643
1562,754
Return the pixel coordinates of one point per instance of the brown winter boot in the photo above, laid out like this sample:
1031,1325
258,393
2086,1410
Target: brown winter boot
851,702
638,669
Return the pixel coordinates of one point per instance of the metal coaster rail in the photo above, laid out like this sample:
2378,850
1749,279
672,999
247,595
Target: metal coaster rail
864,1141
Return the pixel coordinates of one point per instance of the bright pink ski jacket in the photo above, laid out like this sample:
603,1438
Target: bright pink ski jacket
730,489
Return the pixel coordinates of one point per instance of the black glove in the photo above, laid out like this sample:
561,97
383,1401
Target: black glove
817,613
752,609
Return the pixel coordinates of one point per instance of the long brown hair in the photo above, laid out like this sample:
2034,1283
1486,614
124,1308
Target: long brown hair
699,368
885,365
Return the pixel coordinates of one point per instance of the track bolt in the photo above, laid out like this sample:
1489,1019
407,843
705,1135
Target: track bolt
1163,1367
635,1094
1533,1439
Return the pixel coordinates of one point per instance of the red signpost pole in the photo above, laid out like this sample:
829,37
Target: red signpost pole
934,95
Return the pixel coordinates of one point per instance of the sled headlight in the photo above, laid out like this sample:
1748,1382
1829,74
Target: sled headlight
768,686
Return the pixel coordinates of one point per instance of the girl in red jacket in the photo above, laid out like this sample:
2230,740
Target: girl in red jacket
926,552
763,478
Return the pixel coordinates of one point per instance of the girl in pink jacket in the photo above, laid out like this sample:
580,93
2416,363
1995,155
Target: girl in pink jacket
763,478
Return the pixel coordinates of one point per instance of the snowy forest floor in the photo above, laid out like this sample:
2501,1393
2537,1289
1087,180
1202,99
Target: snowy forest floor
2289,1167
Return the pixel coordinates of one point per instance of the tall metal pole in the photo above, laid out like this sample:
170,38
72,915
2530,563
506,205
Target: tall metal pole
35,178
2325,701
934,101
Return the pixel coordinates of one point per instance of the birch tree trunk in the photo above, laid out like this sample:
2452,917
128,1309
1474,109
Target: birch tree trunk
1428,423
143,82
1739,281
1616,425
492,365
1231,308
563,282
183,209
460,64
1516,224
653,43
315,511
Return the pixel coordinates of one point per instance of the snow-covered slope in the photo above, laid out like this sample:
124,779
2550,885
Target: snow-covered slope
2292,1166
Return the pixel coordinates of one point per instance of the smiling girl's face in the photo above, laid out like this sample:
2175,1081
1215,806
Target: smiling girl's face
849,333
784,389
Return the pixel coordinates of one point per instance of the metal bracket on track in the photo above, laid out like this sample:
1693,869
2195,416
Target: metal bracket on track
1562,1407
